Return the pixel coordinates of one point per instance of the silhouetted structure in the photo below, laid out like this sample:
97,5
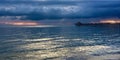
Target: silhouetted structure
79,24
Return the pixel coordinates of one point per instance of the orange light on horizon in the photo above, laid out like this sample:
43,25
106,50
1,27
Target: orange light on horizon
110,21
22,23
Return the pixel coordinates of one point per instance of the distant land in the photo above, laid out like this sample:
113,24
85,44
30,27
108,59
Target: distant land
80,24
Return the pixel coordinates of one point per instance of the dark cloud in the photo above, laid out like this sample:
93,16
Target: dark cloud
60,9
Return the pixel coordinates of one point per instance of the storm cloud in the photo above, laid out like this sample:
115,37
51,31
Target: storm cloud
59,9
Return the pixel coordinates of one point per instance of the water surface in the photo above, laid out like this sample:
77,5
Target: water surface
60,43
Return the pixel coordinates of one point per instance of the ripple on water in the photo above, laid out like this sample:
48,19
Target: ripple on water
47,48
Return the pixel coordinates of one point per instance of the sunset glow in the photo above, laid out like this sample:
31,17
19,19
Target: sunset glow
22,23
110,21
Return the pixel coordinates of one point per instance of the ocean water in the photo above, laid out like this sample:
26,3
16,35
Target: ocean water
60,43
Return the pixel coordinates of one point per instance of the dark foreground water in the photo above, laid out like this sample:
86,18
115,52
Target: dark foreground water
60,43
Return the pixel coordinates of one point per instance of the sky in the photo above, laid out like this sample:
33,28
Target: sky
59,11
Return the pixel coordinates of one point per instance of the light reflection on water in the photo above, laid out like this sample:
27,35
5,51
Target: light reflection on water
60,43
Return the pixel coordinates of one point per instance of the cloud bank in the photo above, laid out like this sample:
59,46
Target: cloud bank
59,9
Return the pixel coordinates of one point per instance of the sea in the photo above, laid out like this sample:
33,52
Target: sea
101,42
